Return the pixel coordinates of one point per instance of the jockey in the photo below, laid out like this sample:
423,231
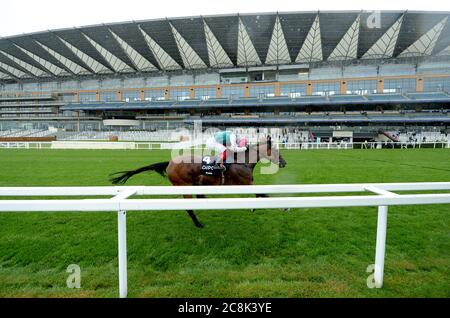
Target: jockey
223,140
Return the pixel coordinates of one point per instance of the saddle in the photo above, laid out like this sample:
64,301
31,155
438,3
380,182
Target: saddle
210,167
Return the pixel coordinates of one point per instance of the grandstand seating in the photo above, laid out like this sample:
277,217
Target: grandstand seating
270,101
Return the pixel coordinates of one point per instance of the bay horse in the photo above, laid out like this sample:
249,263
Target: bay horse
186,170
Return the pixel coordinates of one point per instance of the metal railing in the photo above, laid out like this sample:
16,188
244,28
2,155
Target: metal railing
176,145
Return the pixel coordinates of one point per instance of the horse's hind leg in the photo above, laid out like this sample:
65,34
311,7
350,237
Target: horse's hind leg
192,214
260,195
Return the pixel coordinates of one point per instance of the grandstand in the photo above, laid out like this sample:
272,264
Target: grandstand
313,72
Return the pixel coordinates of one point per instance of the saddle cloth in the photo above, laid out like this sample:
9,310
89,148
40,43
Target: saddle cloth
209,166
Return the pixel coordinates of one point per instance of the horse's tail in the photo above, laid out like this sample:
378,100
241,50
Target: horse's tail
159,167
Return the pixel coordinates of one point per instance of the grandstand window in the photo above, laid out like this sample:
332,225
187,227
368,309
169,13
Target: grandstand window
108,96
399,85
154,94
68,98
88,97
326,88
262,91
362,87
293,90
180,93
205,92
232,91
131,96
434,84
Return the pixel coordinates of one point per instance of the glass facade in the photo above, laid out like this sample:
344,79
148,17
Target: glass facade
131,96
205,92
399,85
435,84
362,87
108,96
326,88
69,98
262,91
154,94
88,97
232,91
180,93
293,90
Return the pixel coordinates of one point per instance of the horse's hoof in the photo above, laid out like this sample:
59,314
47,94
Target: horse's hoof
199,225
286,210
252,210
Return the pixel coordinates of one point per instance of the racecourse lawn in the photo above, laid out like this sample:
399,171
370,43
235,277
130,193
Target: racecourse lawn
267,253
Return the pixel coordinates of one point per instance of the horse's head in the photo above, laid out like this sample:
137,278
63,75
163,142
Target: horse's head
272,153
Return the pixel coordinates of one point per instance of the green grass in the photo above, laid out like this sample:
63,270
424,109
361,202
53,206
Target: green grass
268,253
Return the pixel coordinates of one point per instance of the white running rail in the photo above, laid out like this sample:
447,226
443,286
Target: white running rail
381,195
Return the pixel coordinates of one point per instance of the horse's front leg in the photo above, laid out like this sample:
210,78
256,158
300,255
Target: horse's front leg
261,195
192,214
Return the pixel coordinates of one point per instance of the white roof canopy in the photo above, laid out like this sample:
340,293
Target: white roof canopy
347,48
97,67
278,52
14,71
445,51
165,61
384,47
247,55
117,64
52,68
139,61
311,50
5,75
191,59
216,54
28,67
72,66
425,44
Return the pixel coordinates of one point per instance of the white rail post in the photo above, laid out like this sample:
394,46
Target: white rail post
122,238
380,245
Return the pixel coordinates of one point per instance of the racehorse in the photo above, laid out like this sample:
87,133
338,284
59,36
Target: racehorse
186,170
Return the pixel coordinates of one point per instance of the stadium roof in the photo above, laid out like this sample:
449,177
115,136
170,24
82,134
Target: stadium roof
227,41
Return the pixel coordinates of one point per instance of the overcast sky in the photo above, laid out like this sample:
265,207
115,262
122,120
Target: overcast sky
25,16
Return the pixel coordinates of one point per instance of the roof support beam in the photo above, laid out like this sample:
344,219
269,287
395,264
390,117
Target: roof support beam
28,67
52,68
278,52
5,75
14,71
384,47
165,61
140,62
247,55
191,59
445,51
311,50
72,66
218,58
117,64
425,44
91,63
347,48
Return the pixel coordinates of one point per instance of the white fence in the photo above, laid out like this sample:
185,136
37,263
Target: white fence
121,203
178,145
